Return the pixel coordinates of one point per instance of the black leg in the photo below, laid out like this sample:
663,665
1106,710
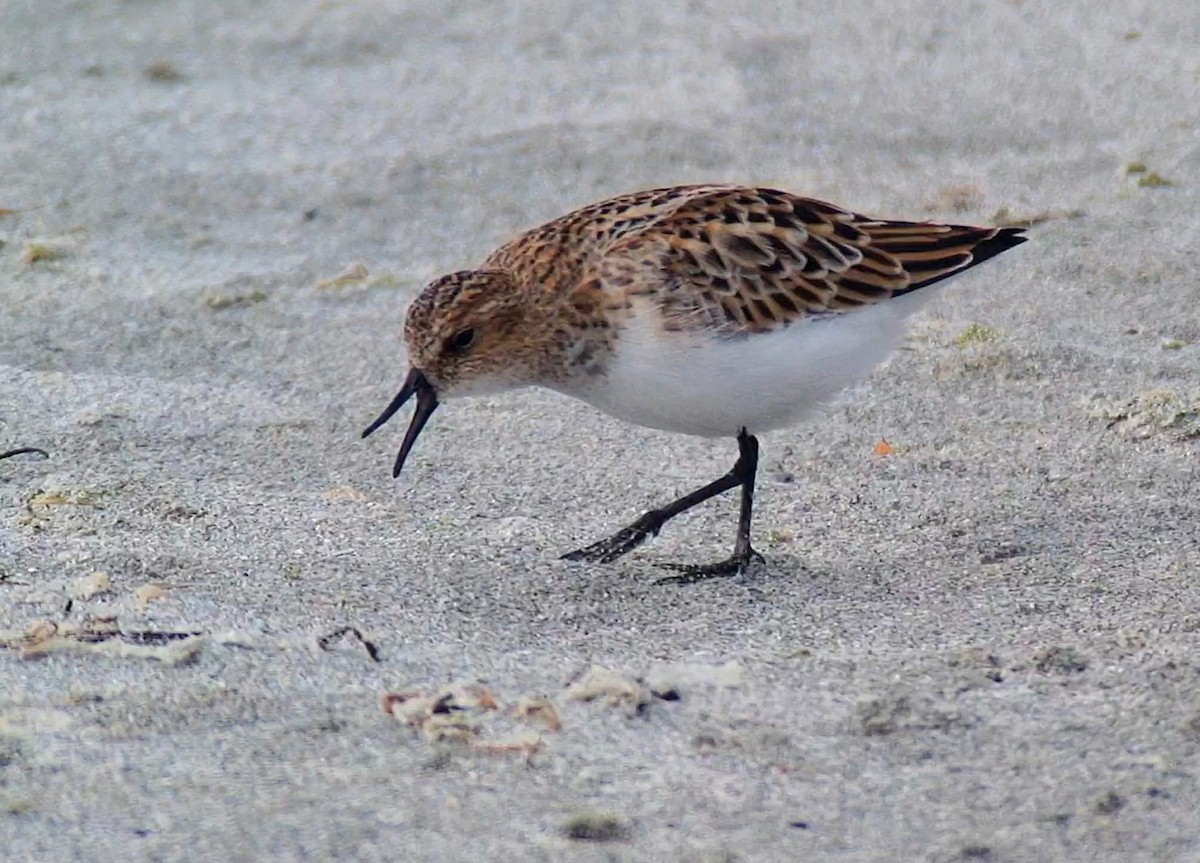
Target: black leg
629,538
743,554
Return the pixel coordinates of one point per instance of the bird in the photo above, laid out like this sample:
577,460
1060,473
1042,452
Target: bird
713,310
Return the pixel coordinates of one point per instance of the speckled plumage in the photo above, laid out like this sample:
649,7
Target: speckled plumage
727,261
710,310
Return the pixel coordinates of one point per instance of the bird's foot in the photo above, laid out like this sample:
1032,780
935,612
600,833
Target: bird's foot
620,543
690,573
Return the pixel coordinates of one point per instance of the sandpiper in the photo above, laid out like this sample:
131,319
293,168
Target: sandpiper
717,310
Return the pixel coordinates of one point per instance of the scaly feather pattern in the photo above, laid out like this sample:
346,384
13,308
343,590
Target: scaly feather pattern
747,259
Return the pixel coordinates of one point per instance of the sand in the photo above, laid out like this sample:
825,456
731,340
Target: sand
983,646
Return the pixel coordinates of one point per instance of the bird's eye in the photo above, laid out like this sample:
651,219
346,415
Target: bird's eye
462,340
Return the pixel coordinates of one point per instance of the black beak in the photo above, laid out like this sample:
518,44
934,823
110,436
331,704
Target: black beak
415,384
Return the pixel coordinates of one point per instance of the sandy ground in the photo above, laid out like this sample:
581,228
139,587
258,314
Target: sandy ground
984,646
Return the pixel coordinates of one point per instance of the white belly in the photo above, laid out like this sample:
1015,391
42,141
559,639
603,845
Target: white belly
714,387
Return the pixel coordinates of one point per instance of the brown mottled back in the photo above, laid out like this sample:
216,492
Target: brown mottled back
742,259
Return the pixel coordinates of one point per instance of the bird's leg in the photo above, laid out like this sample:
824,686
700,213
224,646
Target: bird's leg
628,538
743,554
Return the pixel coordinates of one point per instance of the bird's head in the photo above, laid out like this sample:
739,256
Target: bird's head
468,333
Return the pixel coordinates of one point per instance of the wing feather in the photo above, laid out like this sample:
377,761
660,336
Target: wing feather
759,259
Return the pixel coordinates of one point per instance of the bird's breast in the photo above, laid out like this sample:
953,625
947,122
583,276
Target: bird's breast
712,384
